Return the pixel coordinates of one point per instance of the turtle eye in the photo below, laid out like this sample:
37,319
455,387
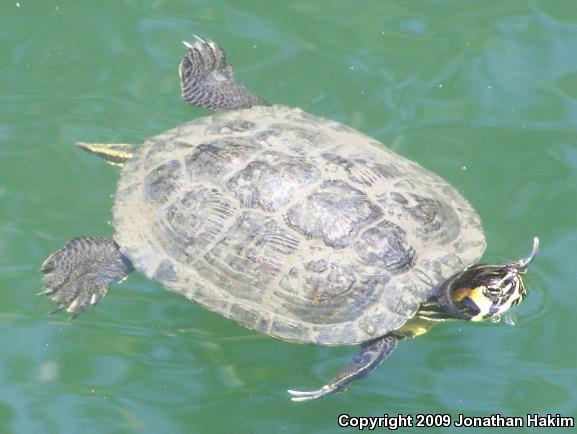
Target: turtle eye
492,291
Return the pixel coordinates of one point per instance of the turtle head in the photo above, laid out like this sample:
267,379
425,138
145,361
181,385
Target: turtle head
481,291
485,290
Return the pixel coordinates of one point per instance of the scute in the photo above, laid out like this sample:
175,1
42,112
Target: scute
291,224
334,213
272,181
194,220
385,245
248,256
218,157
161,182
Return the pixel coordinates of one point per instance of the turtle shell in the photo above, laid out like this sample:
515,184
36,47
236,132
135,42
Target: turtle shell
293,225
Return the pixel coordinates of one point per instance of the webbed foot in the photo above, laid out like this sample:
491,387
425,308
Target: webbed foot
365,361
327,389
79,274
207,79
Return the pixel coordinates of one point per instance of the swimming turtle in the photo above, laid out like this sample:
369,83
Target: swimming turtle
290,224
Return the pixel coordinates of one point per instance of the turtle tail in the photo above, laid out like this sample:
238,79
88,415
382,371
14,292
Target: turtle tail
114,153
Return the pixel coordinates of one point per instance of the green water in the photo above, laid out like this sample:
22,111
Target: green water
482,92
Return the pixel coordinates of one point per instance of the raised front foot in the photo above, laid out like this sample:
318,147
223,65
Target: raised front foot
79,274
365,361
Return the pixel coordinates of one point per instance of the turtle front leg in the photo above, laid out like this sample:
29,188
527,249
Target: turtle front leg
365,361
79,274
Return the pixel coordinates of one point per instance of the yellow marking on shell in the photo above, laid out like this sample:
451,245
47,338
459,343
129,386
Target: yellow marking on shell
114,153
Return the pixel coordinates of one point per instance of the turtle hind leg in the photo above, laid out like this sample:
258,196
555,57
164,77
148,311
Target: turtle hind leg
365,361
79,274
207,79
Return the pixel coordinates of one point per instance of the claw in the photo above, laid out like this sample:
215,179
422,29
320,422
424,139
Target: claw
47,291
211,44
300,395
72,307
198,38
191,46
47,266
75,308
58,309
74,314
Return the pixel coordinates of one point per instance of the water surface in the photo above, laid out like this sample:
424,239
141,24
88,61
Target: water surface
484,93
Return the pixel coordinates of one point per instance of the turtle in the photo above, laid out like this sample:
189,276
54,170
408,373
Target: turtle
290,224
